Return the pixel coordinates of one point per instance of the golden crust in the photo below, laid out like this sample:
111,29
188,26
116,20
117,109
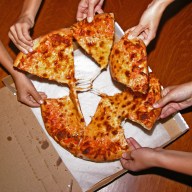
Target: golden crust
128,64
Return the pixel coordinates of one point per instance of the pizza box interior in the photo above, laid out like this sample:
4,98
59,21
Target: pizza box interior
32,161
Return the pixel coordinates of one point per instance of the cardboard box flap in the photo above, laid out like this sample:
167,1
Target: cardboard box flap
28,160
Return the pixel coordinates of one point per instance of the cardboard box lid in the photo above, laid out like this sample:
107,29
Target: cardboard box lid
28,161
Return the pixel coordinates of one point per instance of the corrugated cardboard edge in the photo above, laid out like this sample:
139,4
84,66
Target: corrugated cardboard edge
107,180
24,137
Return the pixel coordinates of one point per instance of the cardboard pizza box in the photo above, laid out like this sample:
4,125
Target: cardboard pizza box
32,161
28,161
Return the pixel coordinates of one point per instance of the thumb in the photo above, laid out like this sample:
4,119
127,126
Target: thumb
166,97
162,102
134,143
36,96
136,31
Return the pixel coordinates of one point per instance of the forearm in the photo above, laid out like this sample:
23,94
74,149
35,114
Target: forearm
30,9
161,5
175,160
6,61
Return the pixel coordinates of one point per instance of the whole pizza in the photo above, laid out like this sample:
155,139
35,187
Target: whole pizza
103,138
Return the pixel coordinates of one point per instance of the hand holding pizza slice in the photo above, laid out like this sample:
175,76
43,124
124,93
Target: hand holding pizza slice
51,58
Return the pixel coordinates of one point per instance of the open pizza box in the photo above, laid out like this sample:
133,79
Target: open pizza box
32,161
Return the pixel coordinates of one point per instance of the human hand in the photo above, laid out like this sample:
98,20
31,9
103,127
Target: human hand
88,8
149,21
19,33
175,98
26,92
139,158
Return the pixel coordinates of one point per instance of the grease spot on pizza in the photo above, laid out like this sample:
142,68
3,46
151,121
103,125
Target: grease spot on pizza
117,52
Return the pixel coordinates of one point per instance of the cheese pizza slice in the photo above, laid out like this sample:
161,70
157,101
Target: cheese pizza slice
104,138
96,38
128,64
52,57
64,122
139,107
142,111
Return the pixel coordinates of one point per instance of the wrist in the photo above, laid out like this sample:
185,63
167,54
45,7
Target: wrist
162,4
28,17
158,157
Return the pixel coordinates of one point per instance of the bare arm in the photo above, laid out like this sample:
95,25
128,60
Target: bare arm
149,21
141,158
20,31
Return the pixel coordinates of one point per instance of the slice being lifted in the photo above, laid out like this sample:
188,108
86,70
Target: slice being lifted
139,107
96,38
64,122
128,64
143,112
52,57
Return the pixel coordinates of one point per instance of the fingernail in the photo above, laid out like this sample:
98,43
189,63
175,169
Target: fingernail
155,105
130,37
41,101
89,19
25,52
124,155
30,50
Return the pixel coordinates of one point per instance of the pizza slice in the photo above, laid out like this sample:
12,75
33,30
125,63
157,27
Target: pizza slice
143,112
52,57
104,138
96,38
128,64
64,122
139,107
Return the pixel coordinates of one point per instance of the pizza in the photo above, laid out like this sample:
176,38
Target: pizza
128,64
104,138
52,57
96,38
140,109
64,122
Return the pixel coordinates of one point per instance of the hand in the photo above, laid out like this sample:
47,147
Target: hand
139,158
149,22
175,98
19,34
26,92
88,8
